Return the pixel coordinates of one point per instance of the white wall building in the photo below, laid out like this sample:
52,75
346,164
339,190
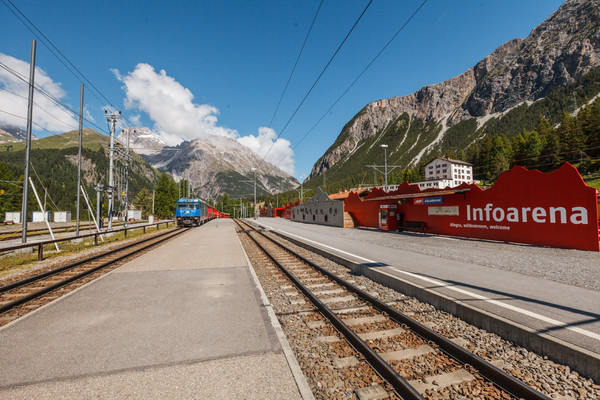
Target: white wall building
62,216
14,217
444,172
38,216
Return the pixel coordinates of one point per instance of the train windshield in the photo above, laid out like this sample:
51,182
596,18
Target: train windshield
188,206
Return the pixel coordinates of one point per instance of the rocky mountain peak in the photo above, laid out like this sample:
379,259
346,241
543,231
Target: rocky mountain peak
142,140
11,133
216,165
558,52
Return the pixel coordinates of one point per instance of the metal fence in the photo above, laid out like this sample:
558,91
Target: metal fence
40,245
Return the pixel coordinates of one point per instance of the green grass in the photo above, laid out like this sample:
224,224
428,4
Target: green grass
594,183
90,139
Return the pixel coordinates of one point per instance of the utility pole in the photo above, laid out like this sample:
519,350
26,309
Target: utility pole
28,143
112,121
254,169
385,166
385,146
99,206
79,159
153,202
127,182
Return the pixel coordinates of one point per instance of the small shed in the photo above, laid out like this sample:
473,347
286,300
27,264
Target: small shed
38,216
134,215
62,216
14,217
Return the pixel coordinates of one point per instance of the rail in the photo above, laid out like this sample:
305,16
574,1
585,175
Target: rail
486,369
40,245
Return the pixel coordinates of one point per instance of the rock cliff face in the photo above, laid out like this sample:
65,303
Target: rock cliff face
214,166
220,165
557,52
142,140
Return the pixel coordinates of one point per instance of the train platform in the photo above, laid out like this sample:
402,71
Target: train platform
544,298
187,320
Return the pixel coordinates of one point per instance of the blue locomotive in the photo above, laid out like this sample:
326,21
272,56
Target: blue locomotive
191,212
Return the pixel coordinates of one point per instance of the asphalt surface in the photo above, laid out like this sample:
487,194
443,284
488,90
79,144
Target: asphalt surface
493,279
183,321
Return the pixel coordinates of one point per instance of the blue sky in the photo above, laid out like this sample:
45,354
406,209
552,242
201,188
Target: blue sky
226,63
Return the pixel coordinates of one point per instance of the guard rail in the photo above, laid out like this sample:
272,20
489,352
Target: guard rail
40,245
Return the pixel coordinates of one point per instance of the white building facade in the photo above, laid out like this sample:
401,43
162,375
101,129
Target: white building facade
444,172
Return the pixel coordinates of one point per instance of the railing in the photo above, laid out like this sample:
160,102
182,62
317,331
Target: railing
40,245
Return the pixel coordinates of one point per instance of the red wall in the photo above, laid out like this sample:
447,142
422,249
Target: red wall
366,213
550,209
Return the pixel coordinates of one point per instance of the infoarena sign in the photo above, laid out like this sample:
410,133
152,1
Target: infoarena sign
527,206
539,215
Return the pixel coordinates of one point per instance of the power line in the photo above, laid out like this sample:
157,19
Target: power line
362,72
291,74
318,78
44,93
39,32
360,75
296,63
38,106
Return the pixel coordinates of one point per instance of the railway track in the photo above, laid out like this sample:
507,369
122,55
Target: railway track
406,358
25,295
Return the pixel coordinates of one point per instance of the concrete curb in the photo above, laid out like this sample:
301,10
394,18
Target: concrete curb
579,359
299,377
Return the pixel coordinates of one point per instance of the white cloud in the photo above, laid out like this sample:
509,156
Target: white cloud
176,117
170,106
277,151
136,119
14,78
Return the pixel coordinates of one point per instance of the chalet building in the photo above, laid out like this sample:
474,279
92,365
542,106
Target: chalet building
442,172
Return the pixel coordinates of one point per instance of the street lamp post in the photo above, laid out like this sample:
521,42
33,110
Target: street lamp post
302,188
385,146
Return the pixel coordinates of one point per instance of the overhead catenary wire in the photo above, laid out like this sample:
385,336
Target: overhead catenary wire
318,78
360,75
262,141
63,59
295,64
39,107
363,71
37,32
52,98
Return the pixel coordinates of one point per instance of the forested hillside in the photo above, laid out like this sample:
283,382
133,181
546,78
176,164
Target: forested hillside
54,173
563,126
